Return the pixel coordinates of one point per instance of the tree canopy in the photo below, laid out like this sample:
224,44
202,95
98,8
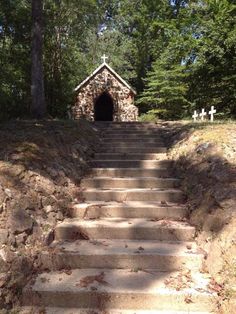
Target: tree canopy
179,55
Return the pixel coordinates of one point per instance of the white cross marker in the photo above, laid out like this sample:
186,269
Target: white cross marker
211,113
195,116
104,57
202,114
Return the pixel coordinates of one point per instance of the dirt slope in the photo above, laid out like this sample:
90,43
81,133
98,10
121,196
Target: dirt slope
205,158
41,164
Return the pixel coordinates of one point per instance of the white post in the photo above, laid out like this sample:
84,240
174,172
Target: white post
203,114
195,116
212,112
104,57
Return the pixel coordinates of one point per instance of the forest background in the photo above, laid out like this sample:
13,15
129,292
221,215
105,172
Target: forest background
179,55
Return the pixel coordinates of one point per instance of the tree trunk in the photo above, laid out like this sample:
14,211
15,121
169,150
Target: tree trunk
38,106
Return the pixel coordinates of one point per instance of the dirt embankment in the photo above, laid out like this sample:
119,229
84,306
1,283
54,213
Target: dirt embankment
41,164
205,159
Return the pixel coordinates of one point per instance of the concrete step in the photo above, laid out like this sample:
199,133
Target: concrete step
137,135
127,124
132,150
122,289
151,130
122,254
130,156
148,209
120,195
125,140
131,172
131,127
127,183
106,124
143,164
123,228
133,144
131,134
64,310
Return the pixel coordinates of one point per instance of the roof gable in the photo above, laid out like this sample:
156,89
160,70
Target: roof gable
105,65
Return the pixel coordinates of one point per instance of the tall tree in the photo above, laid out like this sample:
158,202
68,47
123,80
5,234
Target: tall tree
38,106
178,54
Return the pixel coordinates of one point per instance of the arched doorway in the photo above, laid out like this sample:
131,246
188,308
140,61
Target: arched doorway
103,108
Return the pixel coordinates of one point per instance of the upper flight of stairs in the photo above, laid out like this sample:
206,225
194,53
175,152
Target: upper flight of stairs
128,248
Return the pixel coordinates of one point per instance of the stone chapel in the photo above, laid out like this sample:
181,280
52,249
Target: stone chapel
105,96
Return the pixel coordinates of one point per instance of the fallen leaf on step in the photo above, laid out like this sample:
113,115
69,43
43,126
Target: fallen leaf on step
141,248
201,251
66,271
181,281
188,299
154,219
79,235
44,280
164,203
200,290
42,311
214,286
165,222
86,281
95,242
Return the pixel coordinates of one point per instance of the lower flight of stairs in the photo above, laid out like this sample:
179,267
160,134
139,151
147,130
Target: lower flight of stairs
128,248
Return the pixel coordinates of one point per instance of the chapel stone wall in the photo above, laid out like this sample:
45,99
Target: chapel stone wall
104,81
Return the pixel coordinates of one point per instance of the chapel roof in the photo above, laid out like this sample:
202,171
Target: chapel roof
113,72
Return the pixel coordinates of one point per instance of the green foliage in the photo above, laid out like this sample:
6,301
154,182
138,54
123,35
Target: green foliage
197,67
14,58
166,89
178,54
213,78
155,114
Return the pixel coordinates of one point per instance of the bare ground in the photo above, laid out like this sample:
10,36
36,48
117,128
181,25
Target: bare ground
205,159
41,164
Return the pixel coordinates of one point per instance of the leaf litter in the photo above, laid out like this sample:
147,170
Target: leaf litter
181,281
86,281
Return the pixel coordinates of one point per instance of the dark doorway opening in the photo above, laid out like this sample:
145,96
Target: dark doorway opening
103,108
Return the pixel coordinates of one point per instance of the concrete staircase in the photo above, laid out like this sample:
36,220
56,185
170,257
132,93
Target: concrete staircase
128,248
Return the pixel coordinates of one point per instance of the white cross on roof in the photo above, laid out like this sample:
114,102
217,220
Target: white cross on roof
104,57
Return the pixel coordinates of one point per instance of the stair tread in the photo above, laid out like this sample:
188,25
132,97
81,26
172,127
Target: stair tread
127,172
118,281
126,247
130,204
130,178
131,156
120,163
126,222
129,209
60,310
128,168
163,161
171,190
